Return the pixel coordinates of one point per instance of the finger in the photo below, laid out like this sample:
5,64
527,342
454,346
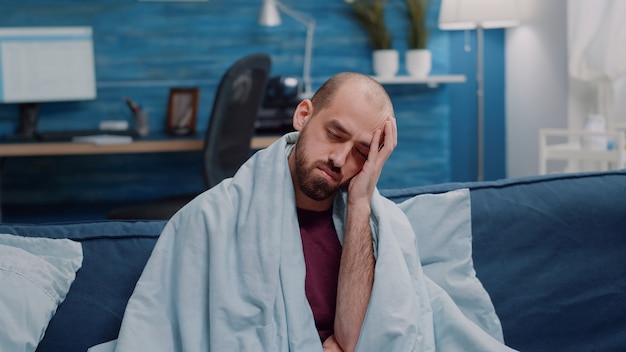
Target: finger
394,131
390,137
376,144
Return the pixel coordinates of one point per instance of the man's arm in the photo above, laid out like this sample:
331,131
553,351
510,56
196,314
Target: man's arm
356,277
356,270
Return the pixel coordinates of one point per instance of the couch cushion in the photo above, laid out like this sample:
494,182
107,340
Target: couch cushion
553,258
442,225
36,274
114,256
550,250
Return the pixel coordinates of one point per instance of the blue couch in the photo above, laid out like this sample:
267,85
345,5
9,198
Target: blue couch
550,251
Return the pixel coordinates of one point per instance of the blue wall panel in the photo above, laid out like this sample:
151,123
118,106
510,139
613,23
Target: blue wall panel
143,49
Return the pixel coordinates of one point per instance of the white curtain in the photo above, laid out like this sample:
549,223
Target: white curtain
597,61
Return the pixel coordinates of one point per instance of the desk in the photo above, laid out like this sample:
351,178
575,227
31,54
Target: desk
137,146
148,145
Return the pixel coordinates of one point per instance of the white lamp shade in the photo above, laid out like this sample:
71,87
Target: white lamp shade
269,15
470,14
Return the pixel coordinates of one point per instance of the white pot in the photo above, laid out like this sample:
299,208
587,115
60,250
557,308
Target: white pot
385,62
418,62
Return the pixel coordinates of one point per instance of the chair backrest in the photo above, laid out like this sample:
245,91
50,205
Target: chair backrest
231,124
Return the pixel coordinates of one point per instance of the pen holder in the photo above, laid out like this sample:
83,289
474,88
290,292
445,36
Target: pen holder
140,116
141,123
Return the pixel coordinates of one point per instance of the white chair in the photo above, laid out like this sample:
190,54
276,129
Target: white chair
575,151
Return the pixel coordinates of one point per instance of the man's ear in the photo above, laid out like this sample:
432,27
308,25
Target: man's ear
303,112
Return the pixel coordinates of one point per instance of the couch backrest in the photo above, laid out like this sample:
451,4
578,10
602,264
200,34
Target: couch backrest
551,252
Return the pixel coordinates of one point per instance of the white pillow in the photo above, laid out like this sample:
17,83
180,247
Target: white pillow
443,227
36,274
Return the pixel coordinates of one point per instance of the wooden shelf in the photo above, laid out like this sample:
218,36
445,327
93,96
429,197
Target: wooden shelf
431,81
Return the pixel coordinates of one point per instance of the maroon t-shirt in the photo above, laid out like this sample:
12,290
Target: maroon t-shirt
322,254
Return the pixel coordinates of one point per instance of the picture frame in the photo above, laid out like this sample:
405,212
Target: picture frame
182,111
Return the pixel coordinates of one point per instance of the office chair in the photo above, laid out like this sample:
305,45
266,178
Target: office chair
227,140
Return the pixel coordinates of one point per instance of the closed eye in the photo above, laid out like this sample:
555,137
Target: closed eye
362,153
333,134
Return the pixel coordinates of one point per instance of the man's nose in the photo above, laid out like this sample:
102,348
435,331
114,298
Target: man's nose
340,155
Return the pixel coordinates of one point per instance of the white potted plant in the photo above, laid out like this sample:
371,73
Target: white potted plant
371,15
418,58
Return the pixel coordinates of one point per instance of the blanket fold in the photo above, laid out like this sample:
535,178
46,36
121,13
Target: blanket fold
228,274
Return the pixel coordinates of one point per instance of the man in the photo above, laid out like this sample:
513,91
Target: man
347,133
231,273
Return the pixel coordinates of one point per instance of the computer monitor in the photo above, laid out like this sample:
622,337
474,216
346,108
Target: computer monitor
45,64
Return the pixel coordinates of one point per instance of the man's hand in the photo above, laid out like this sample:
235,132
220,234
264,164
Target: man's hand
383,143
331,345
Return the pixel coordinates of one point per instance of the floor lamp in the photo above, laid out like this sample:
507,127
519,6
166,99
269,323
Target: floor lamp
270,16
478,15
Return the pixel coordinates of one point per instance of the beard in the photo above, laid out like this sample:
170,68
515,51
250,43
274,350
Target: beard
314,187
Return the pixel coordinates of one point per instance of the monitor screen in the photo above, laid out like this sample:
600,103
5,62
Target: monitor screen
46,64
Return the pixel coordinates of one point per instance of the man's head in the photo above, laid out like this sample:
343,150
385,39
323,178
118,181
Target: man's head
336,129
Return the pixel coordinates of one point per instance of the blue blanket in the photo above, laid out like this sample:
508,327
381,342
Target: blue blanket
227,274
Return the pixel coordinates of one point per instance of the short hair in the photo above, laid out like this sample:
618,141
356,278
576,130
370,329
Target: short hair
323,97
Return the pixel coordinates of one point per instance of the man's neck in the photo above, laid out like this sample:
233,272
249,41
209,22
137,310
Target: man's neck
306,203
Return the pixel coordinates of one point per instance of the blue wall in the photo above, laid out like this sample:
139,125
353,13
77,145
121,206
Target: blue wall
144,48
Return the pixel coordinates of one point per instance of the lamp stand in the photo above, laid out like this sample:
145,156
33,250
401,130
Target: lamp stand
479,14
480,105
309,23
